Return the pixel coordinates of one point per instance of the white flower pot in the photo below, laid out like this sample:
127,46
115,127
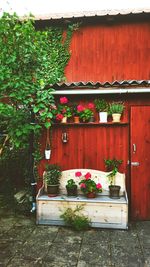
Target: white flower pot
102,116
47,154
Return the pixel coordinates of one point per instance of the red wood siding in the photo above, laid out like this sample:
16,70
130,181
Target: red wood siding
110,52
88,145
140,182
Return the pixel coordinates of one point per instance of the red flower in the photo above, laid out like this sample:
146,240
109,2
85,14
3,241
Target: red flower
63,100
90,105
98,186
80,108
83,185
78,174
87,175
59,117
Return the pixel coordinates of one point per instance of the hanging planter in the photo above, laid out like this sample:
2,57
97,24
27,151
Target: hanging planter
48,147
47,152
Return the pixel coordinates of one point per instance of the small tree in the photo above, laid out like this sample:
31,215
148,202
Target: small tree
30,59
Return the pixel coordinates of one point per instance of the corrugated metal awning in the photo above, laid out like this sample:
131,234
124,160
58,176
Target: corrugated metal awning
116,87
98,84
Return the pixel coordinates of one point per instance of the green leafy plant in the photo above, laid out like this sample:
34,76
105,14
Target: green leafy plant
63,109
116,107
101,105
70,183
112,165
52,174
75,218
88,185
31,60
85,113
75,112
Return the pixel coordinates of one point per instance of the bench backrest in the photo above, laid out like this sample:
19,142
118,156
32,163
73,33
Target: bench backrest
97,176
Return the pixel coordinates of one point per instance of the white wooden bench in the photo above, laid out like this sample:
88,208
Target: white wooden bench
103,211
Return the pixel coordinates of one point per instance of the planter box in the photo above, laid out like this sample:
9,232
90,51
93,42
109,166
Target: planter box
103,211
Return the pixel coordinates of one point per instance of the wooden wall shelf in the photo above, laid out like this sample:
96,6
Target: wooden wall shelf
91,124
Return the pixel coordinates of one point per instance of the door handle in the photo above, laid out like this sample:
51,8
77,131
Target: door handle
135,163
134,148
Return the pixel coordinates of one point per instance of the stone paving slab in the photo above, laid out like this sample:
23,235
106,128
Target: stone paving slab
24,244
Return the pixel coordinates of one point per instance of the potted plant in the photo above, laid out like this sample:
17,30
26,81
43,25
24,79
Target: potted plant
63,111
116,109
71,188
88,186
101,107
85,113
112,166
52,177
75,113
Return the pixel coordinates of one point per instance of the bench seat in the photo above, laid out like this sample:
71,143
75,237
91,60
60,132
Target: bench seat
103,211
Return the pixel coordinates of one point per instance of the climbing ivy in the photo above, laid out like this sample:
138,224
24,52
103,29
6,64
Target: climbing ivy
30,60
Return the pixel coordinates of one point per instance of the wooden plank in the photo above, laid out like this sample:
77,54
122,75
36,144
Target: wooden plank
107,215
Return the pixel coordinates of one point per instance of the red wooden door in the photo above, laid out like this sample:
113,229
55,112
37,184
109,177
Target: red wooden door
140,162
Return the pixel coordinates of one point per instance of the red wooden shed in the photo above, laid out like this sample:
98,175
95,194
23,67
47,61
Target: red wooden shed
110,55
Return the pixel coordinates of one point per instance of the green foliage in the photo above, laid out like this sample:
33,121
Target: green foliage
74,109
75,219
52,174
71,183
64,110
112,165
30,59
116,107
13,170
86,114
101,105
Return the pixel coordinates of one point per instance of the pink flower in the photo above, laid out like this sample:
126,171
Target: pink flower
80,108
59,117
78,174
87,175
83,185
90,105
63,100
98,186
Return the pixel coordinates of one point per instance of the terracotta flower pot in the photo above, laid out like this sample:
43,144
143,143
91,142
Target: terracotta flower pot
91,195
76,119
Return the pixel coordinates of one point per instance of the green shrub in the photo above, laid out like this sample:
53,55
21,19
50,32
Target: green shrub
75,219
